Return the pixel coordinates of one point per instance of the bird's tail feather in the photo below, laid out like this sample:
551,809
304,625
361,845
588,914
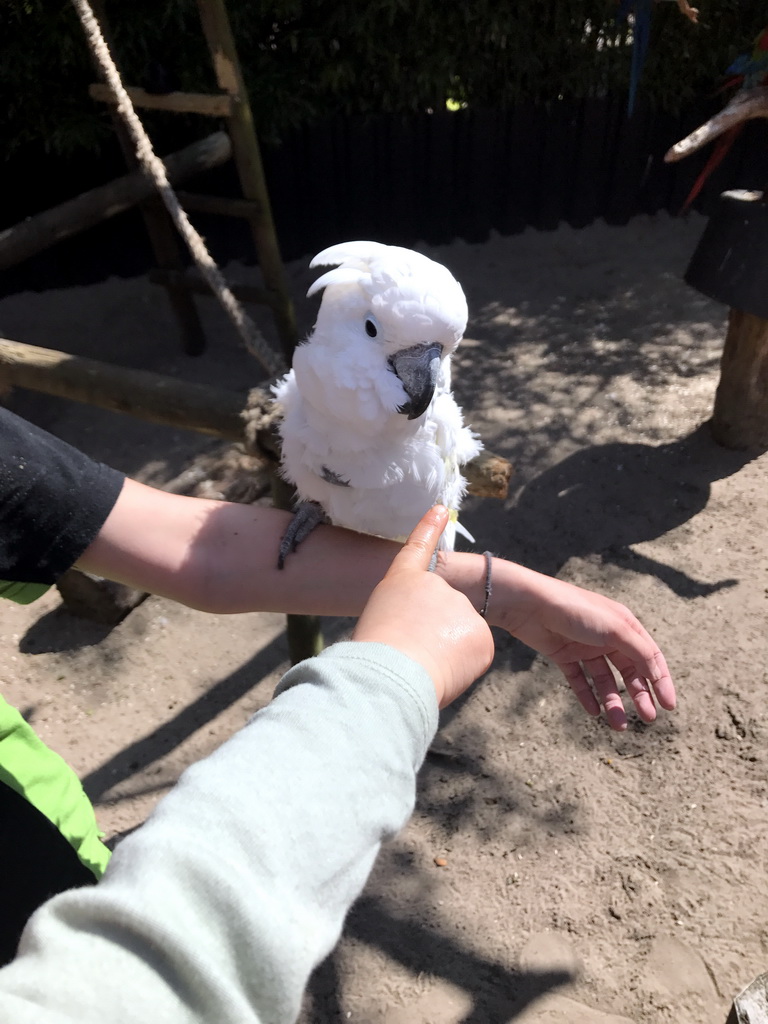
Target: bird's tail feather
453,526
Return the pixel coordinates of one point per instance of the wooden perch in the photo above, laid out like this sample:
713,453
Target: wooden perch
36,233
148,396
176,403
215,105
488,475
744,106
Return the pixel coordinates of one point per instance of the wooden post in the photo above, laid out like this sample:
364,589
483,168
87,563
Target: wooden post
168,253
740,417
96,599
218,32
304,632
304,636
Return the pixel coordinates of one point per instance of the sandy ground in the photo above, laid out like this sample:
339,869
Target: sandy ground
591,877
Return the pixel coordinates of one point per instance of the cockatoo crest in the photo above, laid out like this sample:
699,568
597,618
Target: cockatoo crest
413,296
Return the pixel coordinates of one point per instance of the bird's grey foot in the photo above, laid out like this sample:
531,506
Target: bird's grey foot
306,517
432,562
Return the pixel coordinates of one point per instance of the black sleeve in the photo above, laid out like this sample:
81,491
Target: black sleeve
53,502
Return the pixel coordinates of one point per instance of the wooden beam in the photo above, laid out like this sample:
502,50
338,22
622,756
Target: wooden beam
215,204
176,403
194,281
37,233
148,396
209,105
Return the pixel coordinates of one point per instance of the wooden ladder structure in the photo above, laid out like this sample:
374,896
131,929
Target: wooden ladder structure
42,230
233,106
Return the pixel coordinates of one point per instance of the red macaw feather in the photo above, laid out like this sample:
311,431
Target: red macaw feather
731,82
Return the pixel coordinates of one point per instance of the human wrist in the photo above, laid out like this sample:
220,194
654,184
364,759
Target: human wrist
413,651
515,595
509,602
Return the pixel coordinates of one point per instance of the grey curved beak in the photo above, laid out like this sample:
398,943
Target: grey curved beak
417,368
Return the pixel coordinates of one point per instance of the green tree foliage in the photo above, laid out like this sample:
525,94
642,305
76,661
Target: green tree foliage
307,60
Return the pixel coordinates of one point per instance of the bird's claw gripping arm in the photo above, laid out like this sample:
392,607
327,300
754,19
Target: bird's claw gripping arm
307,516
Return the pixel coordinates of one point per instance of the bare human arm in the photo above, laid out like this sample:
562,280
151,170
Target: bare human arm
222,903
221,557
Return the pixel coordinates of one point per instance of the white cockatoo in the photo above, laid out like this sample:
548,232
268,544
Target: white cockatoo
371,434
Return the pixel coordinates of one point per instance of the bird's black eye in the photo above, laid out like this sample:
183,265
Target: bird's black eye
370,328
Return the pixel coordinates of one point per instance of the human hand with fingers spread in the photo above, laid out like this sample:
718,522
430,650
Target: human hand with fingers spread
591,638
421,615
588,636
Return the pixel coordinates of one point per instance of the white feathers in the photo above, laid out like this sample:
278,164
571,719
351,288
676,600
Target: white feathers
370,428
342,275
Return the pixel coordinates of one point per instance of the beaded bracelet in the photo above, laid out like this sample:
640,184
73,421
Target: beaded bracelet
488,588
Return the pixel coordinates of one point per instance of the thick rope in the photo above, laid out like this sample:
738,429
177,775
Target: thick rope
253,339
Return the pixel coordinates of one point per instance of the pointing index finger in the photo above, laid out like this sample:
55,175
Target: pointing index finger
418,549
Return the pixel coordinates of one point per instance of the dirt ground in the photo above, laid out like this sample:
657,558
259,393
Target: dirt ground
591,877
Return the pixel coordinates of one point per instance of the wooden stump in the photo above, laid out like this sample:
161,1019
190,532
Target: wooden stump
751,1005
740,417
97,599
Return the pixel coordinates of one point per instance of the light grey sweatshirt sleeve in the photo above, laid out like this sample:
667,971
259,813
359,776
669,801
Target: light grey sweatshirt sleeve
219,907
